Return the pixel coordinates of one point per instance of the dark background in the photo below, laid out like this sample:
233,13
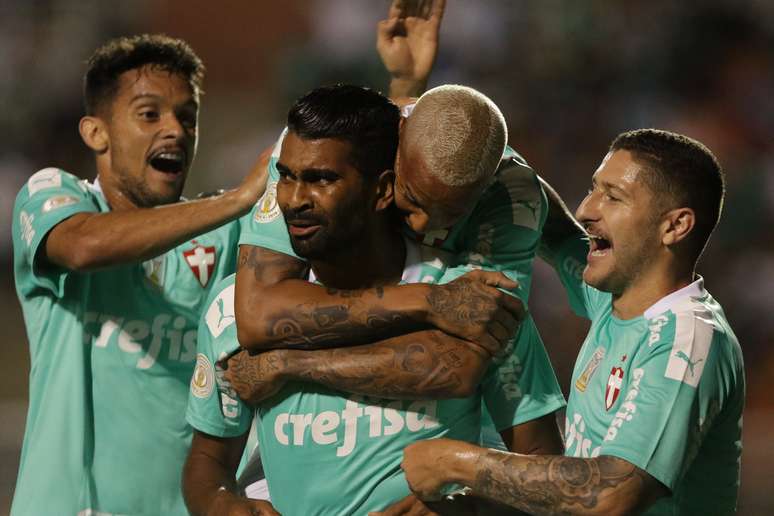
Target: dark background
569,76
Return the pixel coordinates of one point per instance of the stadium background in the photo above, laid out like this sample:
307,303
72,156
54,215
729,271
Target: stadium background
568,75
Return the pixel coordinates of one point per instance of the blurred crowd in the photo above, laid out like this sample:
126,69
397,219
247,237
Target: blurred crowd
569,76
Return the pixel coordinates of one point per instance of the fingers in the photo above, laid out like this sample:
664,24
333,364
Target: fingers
386,29
493,279
436,11
514,306
262,508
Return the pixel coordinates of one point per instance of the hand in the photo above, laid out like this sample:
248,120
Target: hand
425,468
409,506
254,184
255,378
408,41
229,504
472,308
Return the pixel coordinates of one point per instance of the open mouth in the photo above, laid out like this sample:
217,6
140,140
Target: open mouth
168,161
599,245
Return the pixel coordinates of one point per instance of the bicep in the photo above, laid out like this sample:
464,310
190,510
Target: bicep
64,244
223,451
536,437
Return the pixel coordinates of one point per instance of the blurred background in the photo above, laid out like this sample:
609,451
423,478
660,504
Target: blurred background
568,75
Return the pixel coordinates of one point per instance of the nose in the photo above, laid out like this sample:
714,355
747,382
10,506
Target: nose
588,211
293,197
173,127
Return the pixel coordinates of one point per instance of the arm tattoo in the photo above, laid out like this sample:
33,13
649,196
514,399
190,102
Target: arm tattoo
553,484
316,325
461,301
421,365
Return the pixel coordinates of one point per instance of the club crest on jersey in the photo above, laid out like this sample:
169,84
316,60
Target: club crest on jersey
201,261
267,208
613,387
591,366
203,378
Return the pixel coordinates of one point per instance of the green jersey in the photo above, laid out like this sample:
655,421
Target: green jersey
332,453
112,353
663,391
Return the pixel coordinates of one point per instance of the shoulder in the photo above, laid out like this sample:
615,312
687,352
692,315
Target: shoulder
50,181
515,193
694,338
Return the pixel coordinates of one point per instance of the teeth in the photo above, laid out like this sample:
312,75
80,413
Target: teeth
170,155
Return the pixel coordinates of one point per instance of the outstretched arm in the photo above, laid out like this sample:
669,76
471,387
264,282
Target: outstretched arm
90,241
407,42
275,309
536,484
420,365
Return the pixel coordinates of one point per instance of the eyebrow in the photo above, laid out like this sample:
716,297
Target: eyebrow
611,186
284,168
153,96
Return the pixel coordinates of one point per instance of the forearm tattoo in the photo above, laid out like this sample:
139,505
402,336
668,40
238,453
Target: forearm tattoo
420,365
463,301
552,484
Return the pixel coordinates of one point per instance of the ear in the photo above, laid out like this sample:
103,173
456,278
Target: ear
385,190
94,134
677,224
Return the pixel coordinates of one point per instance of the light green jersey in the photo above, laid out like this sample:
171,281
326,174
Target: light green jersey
663,391
112,353
331,453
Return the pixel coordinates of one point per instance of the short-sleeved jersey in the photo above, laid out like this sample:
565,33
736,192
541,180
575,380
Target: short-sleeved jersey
663,391
501,233
112,353
327,452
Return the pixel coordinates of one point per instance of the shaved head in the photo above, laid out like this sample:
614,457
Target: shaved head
458,134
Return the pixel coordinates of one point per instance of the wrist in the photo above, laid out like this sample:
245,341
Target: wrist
407,87
291,363
460,460
240,199
414,303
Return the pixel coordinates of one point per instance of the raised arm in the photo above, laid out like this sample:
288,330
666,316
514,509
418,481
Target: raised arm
407,42
275,309
536,484
209,482
421,365
90,241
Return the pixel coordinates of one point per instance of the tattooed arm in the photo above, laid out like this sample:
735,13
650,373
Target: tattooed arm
548,484
420,365
277,309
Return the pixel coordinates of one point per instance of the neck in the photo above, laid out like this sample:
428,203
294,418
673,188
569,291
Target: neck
111,190
375,260
650,286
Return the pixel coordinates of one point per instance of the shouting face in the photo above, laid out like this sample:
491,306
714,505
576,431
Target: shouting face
621,216
151,127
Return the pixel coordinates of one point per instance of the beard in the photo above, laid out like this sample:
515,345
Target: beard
336,233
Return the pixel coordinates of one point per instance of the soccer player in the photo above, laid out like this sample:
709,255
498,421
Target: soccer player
347,413
654,419
111,277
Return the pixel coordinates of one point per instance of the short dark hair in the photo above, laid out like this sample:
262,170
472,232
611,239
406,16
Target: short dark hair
682,172
366,119
128,53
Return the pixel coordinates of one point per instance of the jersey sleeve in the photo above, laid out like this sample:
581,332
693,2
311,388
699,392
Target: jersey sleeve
504,229
674,394
265,226
523,386
50,196
569,262
213,406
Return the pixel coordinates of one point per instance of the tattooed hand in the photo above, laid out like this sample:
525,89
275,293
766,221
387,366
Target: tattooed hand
472,308
256,378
